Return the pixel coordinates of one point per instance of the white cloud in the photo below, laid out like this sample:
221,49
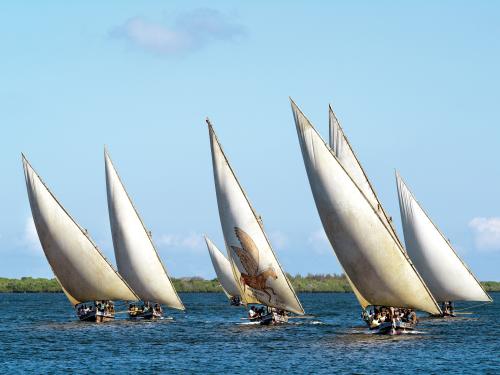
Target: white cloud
30,237
486,233
190,31
278,239
319,241
191,241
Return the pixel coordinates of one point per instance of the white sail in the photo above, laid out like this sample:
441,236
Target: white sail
444,272
365,247
250,249
81,269
70,298
361,300
222,269
137,259
346,156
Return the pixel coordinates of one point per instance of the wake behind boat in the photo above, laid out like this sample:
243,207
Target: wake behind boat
256,270
136,256
85,275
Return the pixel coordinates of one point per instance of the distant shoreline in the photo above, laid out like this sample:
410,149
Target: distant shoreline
301,284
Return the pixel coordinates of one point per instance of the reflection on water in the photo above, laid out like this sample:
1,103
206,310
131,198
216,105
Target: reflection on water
40,333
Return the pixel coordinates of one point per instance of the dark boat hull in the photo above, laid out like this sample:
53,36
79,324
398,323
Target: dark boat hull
96,317
270,319
149,315
397,328
443,315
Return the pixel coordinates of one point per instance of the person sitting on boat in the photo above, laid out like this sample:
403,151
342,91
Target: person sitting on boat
412,317
404,315
444,307
447,308
280,312
252,313
158,308
235,301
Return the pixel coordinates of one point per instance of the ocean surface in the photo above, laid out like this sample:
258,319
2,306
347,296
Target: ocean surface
41,334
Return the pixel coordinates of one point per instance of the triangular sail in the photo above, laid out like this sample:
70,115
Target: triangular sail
222,269
70,298
444,272
81,269
345,155
251,251
365,247
137,259
362,301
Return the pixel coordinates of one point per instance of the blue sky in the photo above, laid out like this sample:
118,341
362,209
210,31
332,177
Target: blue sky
415,87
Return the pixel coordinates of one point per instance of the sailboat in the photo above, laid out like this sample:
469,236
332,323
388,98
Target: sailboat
85,275
357,227
256,269
447,276
136,256
224,273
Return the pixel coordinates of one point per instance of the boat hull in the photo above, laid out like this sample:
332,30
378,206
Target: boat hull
396,328
96,317
271,319
149,315
442,316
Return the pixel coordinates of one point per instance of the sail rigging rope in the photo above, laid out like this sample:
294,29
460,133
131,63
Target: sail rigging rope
471,307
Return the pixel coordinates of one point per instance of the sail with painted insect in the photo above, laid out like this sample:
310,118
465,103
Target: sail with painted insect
136,256
447,276
357,227
255,264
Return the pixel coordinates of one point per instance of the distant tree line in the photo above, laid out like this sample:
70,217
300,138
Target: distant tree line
309,284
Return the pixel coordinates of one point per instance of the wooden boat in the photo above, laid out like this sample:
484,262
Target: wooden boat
256,270
145,311
83,272
394,328
445,273
136,256
271,316
224,273
98,312
360,232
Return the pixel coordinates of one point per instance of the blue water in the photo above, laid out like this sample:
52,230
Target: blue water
40,333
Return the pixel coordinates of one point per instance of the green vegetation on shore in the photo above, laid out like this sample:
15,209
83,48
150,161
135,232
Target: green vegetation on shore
309,283
29,285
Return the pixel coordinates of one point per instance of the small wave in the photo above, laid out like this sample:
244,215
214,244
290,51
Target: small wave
317,322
